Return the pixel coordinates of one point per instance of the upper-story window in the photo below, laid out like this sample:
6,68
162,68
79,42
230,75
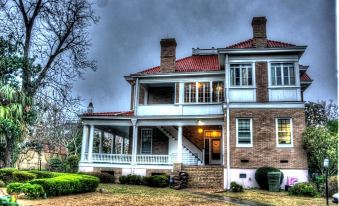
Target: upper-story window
241,75
204,92
282,74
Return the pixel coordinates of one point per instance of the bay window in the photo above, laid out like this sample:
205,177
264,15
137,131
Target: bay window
241,75
282,74
284,132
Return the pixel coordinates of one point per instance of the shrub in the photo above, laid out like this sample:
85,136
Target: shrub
236,187
68,184
123,180
6,174
55,164
156,181
72,163
131,179
332,185
303,189
8,200
261,176
2,183
23,176
45,174
103,176
32,191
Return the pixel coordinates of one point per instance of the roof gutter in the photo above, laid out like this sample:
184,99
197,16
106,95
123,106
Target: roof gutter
176,74
298,49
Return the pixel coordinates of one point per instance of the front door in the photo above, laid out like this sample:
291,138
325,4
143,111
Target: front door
212,147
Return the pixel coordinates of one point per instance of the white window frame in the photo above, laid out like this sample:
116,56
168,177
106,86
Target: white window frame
151,149
277,136
248,66
204,94
209,83
281,67
251,131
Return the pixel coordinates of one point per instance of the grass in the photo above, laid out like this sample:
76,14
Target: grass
276,198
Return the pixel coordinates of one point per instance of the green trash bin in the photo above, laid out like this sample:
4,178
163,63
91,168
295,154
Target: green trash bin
274,181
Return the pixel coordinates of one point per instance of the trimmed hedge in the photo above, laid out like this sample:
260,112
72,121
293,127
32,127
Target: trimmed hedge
131,179
303,189
68,184
23,176
32,191
156,181
261,176
6,174
235,187
46,174
103,176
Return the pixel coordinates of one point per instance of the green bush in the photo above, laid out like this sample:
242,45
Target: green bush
67,184
55,164
303,189
32,191
236,187
8,201
103,176
2,183
156,181
131,179
123,179
23,176
72,163
333,185
45,174
6,174
261,176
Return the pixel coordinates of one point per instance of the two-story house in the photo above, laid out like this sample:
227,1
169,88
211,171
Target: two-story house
219,114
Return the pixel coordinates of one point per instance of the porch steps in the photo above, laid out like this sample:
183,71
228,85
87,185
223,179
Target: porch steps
207,176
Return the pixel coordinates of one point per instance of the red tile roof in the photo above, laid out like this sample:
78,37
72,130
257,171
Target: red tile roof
305,77
110,114
249,44
191,64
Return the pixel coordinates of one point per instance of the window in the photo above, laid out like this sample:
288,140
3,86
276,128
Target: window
244,132
241,75
190,91
218,91
284,132
282,74
204,94
146,140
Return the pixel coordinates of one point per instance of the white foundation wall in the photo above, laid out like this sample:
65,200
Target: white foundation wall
250,182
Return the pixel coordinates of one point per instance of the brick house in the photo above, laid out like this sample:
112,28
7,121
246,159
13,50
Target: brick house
218,114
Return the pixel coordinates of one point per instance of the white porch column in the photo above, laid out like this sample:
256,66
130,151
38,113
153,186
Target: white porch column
90,146
84,142
179,147
134,144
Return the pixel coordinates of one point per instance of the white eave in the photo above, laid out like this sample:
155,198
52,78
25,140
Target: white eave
208,73
297,49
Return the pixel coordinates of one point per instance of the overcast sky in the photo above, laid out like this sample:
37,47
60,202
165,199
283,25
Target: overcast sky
126,39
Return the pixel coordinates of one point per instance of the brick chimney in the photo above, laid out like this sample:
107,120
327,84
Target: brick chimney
167,57
259,32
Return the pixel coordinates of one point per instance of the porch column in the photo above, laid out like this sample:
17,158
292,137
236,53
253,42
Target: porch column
135,141
84,142
179,147
90,146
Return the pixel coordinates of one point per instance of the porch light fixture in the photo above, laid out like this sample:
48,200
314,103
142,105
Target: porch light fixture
200,130
199,122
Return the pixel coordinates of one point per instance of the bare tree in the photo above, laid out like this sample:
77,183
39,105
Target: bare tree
53,36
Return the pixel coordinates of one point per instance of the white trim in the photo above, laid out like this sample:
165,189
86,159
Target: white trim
277,137
271,105
151,149
251,132
118,166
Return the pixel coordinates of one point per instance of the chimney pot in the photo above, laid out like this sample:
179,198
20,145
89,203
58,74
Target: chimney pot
259,32
168,56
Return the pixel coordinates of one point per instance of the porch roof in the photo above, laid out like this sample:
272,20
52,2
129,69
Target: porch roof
109,114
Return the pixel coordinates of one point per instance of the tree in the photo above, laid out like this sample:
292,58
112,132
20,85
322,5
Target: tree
51,34
319,143
320,113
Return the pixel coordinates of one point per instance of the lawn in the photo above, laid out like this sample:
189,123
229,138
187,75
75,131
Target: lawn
116,194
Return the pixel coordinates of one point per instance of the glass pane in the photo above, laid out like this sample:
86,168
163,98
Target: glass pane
244,76
250,76
244,131
286,75
237,76
273,77
232,77
292,77
284,131
278,72
218,91
204,92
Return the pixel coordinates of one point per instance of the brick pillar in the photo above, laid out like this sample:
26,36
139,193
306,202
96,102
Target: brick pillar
261,78
167,57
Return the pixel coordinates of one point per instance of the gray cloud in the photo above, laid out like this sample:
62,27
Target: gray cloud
126,39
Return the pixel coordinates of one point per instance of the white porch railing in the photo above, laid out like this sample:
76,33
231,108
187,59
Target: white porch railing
112,158
154,159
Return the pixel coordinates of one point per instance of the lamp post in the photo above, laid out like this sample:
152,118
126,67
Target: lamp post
326,165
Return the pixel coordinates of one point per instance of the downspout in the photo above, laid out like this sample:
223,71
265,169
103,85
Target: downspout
228,163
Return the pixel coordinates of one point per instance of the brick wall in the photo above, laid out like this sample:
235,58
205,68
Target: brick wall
264,151
159,142
261,81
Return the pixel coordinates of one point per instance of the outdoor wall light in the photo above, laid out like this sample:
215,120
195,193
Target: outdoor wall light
326,163
199,122
200,130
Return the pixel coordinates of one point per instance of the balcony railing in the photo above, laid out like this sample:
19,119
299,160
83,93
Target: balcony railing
112,158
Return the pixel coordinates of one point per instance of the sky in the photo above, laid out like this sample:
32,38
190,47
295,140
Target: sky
127,39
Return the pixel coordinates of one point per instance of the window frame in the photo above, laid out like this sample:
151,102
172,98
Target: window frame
209,95
151,145
248,65
282,79
237,133
277,132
